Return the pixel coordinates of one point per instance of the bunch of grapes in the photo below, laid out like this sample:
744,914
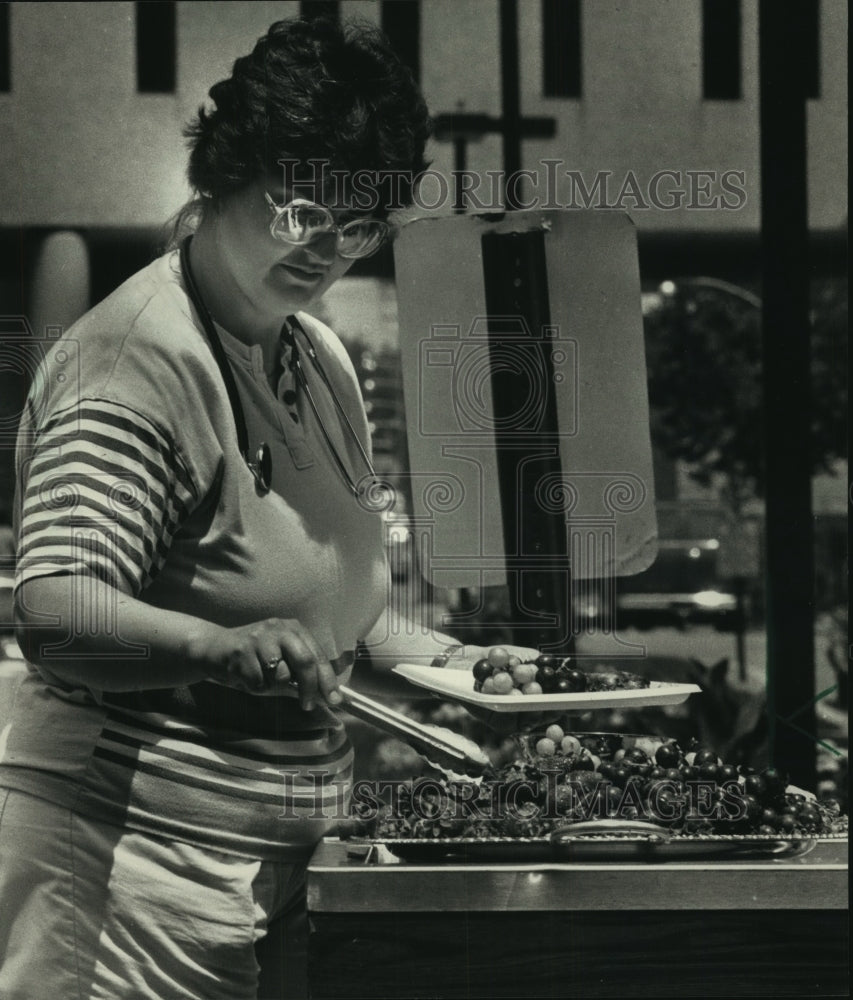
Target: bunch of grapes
563,778
501,673
768,808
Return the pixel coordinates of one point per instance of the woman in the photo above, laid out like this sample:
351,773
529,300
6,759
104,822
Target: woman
196,556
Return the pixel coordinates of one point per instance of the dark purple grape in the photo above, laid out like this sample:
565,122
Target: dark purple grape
657,787
635,758
613,798
482,670
753,806
547,678
577,679
769,817
809,818
619,775
755,785
775,781
668,755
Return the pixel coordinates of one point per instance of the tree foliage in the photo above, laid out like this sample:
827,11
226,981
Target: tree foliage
703,347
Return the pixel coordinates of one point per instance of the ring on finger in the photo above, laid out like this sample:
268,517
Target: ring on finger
270,667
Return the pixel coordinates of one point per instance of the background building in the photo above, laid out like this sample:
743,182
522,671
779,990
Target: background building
650,106
96,95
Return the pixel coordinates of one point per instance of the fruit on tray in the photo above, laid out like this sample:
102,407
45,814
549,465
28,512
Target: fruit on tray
502,674
561,778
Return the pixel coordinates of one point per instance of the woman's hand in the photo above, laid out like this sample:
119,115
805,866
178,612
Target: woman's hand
149,648
268,658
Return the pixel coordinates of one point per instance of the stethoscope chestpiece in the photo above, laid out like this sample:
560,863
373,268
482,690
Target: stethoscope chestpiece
261,468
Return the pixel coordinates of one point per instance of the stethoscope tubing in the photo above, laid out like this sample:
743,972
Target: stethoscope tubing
261,466
293,322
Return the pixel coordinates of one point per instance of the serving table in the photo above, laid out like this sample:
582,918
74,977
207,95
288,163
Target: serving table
719,926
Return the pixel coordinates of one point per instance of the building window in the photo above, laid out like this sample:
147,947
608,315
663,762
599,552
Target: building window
313,10
561,48
155,48
401,22
811,48
5,50
721,48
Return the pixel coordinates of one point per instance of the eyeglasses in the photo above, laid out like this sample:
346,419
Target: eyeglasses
301,221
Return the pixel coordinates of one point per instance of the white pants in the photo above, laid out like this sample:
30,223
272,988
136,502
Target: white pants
89,910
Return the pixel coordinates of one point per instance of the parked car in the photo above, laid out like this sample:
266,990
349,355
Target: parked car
681,587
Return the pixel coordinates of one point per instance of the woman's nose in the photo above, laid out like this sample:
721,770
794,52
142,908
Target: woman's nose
324,248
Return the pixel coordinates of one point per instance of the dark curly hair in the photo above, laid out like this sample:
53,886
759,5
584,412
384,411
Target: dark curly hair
311,90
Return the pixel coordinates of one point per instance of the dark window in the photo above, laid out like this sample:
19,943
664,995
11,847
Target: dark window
721,61
155,47
5,50
401,22
561,48
312,10
811,47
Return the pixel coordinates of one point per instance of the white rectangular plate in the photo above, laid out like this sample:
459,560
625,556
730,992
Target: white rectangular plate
459,685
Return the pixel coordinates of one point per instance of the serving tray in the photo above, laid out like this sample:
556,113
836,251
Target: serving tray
565,846
459,685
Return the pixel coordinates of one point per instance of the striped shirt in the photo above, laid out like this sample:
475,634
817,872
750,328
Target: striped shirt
105,497
129,473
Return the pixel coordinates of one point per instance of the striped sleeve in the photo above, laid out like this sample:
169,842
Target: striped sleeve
104,491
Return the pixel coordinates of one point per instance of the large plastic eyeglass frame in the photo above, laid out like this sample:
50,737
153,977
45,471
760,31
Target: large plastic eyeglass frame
279,211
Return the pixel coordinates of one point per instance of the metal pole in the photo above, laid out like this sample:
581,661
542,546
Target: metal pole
527,438
510,91
786,358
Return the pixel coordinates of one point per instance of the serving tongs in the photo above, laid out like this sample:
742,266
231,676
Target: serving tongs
455,755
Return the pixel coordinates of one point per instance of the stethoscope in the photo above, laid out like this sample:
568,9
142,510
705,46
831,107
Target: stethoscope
260,465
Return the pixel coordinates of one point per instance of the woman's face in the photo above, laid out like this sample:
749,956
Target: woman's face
274,277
